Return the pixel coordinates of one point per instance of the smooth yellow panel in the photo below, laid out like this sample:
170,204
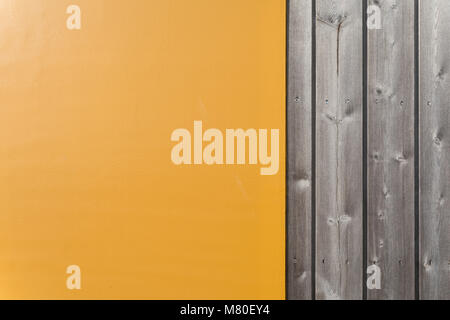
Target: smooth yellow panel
86,176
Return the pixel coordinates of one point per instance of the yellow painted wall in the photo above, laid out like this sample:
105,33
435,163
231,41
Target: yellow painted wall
85,171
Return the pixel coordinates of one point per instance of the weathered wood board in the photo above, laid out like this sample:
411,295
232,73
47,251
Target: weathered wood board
339,247
434,149
390,159
299,128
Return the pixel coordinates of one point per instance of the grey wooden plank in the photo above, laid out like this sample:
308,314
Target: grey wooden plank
434,149
390,173
339,149
299,151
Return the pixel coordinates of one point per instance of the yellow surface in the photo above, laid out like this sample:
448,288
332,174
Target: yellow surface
86,176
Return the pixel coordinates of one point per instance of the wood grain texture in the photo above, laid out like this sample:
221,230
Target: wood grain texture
339,149
434,149
299,150
390,150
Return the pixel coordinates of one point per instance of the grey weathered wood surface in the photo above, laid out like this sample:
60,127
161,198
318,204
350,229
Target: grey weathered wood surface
393,230
390,149
434,149
300,150
339,149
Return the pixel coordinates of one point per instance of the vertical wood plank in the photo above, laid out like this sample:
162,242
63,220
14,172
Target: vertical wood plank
299,150
434,149
390,150
339,149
